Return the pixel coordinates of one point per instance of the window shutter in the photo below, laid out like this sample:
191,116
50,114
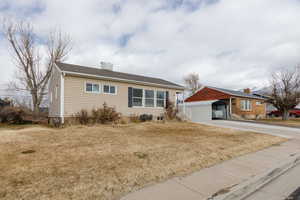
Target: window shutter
129,97
167,99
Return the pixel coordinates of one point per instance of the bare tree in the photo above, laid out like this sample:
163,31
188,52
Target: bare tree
285,93
192,82
33,69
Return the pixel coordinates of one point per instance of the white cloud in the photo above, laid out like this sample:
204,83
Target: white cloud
230,43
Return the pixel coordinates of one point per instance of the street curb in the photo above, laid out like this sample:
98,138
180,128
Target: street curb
250,186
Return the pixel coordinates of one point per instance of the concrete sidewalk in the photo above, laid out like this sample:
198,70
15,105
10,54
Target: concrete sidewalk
206,182
280,188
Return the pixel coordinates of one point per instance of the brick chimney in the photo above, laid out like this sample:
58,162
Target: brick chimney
247,91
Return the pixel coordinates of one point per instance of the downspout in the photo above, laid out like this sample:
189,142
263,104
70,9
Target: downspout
62,97
184,115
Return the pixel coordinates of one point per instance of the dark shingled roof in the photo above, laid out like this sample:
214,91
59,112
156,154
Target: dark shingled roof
114,75
236,93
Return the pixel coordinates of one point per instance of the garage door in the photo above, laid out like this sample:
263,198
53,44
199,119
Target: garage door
197,111
201,113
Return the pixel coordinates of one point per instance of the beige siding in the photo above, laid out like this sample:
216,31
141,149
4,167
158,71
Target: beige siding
76,98
54,93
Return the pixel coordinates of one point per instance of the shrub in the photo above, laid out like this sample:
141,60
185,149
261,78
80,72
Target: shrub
105,114
171,111
12,115
145,117
83,117
134,118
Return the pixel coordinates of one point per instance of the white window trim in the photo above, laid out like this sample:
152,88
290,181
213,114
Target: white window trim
116,89
245,107
259,103
92,92
165,98
143,100
138,97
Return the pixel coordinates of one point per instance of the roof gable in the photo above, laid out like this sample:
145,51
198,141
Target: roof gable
77,69
206,94
211,93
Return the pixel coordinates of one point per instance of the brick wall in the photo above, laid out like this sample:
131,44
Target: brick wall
258,110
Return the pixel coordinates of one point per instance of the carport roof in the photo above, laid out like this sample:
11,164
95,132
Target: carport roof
236,93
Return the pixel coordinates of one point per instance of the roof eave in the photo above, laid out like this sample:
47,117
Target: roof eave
235,95
122,80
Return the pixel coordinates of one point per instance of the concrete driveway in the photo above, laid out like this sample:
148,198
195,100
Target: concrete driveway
261,128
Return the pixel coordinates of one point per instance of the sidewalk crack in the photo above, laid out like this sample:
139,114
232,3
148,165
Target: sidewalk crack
189,188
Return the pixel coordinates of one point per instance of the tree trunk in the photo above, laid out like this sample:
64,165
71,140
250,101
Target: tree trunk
36,106
285,115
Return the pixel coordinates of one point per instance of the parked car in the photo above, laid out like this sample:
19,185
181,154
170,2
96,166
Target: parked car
277,113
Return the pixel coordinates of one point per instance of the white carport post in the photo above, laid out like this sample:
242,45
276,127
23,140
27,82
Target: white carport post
184,114
230,111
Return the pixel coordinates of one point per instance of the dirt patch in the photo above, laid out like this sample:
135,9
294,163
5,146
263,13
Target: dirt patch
105,162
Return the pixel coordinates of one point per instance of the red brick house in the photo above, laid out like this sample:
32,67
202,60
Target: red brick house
218,103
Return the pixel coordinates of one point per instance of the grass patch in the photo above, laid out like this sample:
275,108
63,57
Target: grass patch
106,162
292,122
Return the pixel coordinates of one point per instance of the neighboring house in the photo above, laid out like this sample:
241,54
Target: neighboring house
4,103
269,106
217,103
74,87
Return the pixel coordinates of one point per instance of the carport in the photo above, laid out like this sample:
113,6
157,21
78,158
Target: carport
220,109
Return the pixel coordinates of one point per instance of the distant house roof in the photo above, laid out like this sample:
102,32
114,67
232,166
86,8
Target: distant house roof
213,93
113,75
237,93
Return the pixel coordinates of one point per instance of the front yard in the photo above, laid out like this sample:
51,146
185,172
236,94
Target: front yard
292,122
105,161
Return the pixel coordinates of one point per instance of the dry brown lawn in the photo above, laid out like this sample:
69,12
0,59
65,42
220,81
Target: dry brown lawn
106,162
292,122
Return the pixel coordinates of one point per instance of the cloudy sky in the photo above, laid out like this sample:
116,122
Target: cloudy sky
230,43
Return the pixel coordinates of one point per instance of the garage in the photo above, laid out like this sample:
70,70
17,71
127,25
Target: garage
205,110
197,111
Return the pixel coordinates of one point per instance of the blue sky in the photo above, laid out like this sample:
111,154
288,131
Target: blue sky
230,43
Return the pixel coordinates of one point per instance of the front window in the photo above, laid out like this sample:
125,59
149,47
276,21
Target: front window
109,89
137,97
160,99
149,98
93,88
246,105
